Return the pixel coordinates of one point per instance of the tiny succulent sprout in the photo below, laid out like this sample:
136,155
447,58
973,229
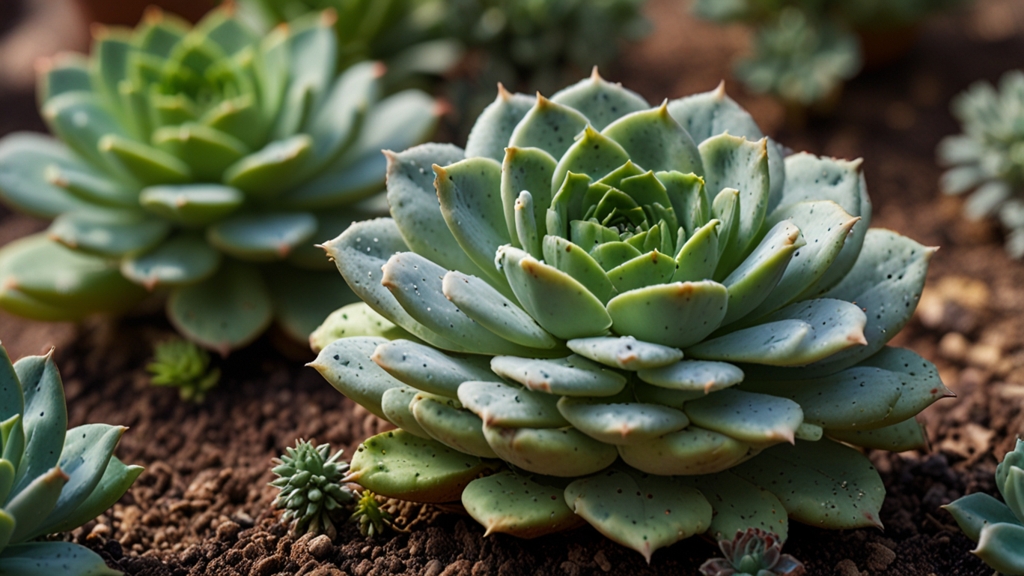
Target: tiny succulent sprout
313,492
51,479
183,365
646,318
998,528
371,518
987,159
202,164
752,552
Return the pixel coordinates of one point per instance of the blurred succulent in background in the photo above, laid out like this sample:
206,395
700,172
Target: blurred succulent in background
752,552
553,276
183,365
204,162
312,490
998,528
988,158
51,479
371,518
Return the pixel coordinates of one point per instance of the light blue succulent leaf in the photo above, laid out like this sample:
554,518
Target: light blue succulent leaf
900,437
108,233
12,401
31,503
548,126
1011,487
444,420
394,403
360,253
504,405
644,513
528,169
116,480
650,394
602,102
355,320
810,178
755,278
191,204
759,420
81,120
689,199
976,511
207,151
7,473
303,299
53,559
655,141
527,232
493,129
144,163
797,335
576,262
919,381
592,154
571,376
677,314
483,304
272,82
184,259
825,227
25,159
65,73
987,199
558,302
309,255
85,184
621,423
87,451
428,369
562,452
12,434
336,125
468,192
522,506
44,421
230,34
224,312
397,464
956,181
737,163
689,452
739,505
698,257
309,59
625,352
699,376
1014,459
648,269
1000,547
272,170
346,365
417,284
820,483
262,237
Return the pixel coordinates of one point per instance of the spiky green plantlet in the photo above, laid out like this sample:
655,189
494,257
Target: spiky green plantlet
752,552
998,528
203,162
369,516
181,364
611,323
51,479
313,493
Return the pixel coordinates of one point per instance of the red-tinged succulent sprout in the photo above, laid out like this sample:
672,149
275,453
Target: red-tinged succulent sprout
753,552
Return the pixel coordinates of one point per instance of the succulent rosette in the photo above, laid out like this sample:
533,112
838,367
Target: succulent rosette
642,318
204,161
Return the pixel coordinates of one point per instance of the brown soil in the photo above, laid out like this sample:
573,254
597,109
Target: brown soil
202,506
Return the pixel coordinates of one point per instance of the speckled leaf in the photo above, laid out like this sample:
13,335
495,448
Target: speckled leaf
655,141
54,559
677,314
625,352
493,128
489,308
44,423
262,237
356,319
756,419
739,505
686,453
109,233
398,465
698,376
394,403
191,204
733,162
753,280
641,512
592,154
900,437
571,376
621,423
600,101
500,404
548,126
429,369
346,365
514,504
562,452
184,259
445,420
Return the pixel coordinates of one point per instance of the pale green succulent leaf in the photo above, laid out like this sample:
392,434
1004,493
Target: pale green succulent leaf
493,129
689,452
522,506
12,400
398,465
184,259
562,452
592,154
1000,547
528,233
621,423
641,512
483,304
820,483
655,141
110,234
346,365
755,278
528,169
262,237
144,163
337,124
756,419
710,113
271,171
356,319
240,117
429,369
225,311
548,126
959,180
304,298
192,204
976,511
53,559
571,376
899,437
1011,487
33,502
503,405
1014,459
87,185
625,352
698,257
394,403
117,478
66,73
600,101
649,269
576,262
112,51
609,254
309,66
567,205
444,420
700,376
340,184
80,120
739,505
677,314
557,301
7,473
25,159
689,200
651,394
207,151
